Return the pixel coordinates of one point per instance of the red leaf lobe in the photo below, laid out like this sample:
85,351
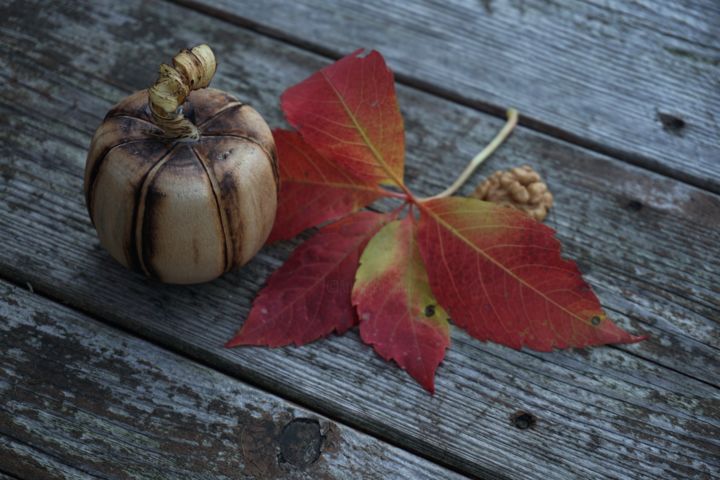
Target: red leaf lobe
398,314
313,190
501,276
348,113
309,296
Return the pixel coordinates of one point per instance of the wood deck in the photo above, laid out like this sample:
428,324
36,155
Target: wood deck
104,374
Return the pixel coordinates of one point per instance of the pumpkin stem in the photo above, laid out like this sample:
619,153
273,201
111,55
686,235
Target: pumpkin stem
191,70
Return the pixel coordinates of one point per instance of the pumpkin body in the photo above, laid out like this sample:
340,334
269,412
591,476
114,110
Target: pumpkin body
182,211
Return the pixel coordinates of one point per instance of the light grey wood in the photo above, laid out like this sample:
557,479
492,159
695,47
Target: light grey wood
647,242
79,399
32,462
638,79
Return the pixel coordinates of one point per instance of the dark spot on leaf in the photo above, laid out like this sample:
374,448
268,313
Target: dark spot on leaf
430,310
671,123
300,442
595,320
523,420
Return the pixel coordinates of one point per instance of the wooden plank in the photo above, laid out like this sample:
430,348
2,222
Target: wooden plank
35,463
5,476
638,79
646,410
79,399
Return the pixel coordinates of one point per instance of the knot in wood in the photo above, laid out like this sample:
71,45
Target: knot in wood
301,442
523,420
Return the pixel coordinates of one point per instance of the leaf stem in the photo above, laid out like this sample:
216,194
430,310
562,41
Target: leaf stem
512,119
396,211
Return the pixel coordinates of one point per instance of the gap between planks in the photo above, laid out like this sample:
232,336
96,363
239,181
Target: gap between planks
531,123
654,362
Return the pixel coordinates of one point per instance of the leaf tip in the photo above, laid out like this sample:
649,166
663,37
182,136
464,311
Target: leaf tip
430,386
426,379
639,338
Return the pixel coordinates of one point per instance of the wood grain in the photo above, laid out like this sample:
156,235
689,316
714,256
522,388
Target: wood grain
638,80
647,243
79,399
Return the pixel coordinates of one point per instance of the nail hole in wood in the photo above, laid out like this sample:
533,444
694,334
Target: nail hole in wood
634,206
671,123
523,420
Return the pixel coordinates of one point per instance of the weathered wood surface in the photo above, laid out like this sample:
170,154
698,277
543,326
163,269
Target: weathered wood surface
79,399
648,243
639,79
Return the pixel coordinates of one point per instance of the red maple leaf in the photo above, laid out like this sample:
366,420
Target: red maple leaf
498,272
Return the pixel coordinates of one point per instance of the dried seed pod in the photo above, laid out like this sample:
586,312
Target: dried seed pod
519,187
181,184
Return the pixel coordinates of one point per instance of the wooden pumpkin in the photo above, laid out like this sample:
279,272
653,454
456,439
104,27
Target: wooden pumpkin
181,180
